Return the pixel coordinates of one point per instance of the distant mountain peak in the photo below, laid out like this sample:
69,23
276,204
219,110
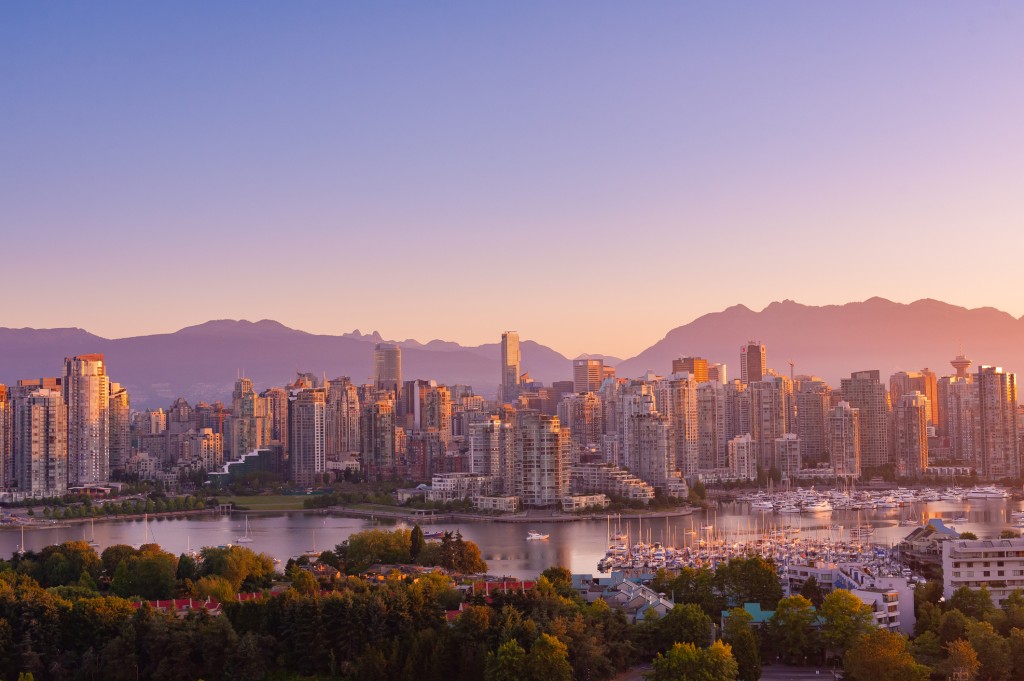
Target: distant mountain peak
227,326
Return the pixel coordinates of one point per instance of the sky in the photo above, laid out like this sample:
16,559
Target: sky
591,174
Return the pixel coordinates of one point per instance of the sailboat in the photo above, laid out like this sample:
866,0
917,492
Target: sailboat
312,553
21,546
92,538
245,538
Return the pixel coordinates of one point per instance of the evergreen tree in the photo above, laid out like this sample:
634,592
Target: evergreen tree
417,543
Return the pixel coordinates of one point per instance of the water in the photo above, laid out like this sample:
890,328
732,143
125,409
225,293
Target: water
578,545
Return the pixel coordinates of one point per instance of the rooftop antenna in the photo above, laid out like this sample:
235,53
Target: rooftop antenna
792,368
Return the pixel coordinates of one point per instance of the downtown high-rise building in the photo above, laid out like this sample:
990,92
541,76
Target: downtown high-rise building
587,375
718,373
787,455
866,393
511,367
677,400
275,409
307,436
767,417
379,449
651,440
959,417
843,440
542,460
247,425
343,414
41,443
119,413
753,362
492,451
86,392
6,453
999,444
924,381
437,412
387,368
812,399
743,458
582,414
695,366
911,416
712,439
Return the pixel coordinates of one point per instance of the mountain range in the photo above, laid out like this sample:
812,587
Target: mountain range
202,362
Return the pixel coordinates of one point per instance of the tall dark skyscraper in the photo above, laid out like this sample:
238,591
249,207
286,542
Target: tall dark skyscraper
753,362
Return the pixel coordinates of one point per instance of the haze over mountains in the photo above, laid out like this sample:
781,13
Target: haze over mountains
202,362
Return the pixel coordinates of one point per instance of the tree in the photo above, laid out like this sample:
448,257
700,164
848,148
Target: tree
971,602
303,581
738,634
952,626
882,655
811,590
992,649
968,535
963,660
548,660
685,623
844,618
417,542
243,567
1016,644
750,580
215,587
560,578
507,664
792,629
685,661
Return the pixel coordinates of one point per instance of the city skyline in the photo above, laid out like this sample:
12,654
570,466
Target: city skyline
628,154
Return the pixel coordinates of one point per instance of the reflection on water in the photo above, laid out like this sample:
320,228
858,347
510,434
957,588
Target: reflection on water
578,546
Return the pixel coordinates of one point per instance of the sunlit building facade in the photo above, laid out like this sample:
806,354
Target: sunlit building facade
87,398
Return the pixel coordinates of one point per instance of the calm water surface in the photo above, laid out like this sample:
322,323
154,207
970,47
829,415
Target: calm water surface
578,546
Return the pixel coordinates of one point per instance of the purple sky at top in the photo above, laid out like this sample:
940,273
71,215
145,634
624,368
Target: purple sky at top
591,174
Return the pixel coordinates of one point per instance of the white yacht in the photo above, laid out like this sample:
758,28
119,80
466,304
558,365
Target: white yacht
533,535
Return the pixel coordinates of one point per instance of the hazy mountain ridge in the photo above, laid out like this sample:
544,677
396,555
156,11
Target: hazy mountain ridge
833,340
202,361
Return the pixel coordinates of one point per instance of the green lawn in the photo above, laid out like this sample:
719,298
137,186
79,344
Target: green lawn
278,502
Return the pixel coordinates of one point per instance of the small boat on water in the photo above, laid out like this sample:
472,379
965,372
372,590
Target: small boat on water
533,535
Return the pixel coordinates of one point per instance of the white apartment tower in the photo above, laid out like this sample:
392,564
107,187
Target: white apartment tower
843,440
307,435
492,447
87,398
910,434
712,442
41,443
542,460
999,444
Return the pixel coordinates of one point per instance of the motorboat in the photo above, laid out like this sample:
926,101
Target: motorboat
533,535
